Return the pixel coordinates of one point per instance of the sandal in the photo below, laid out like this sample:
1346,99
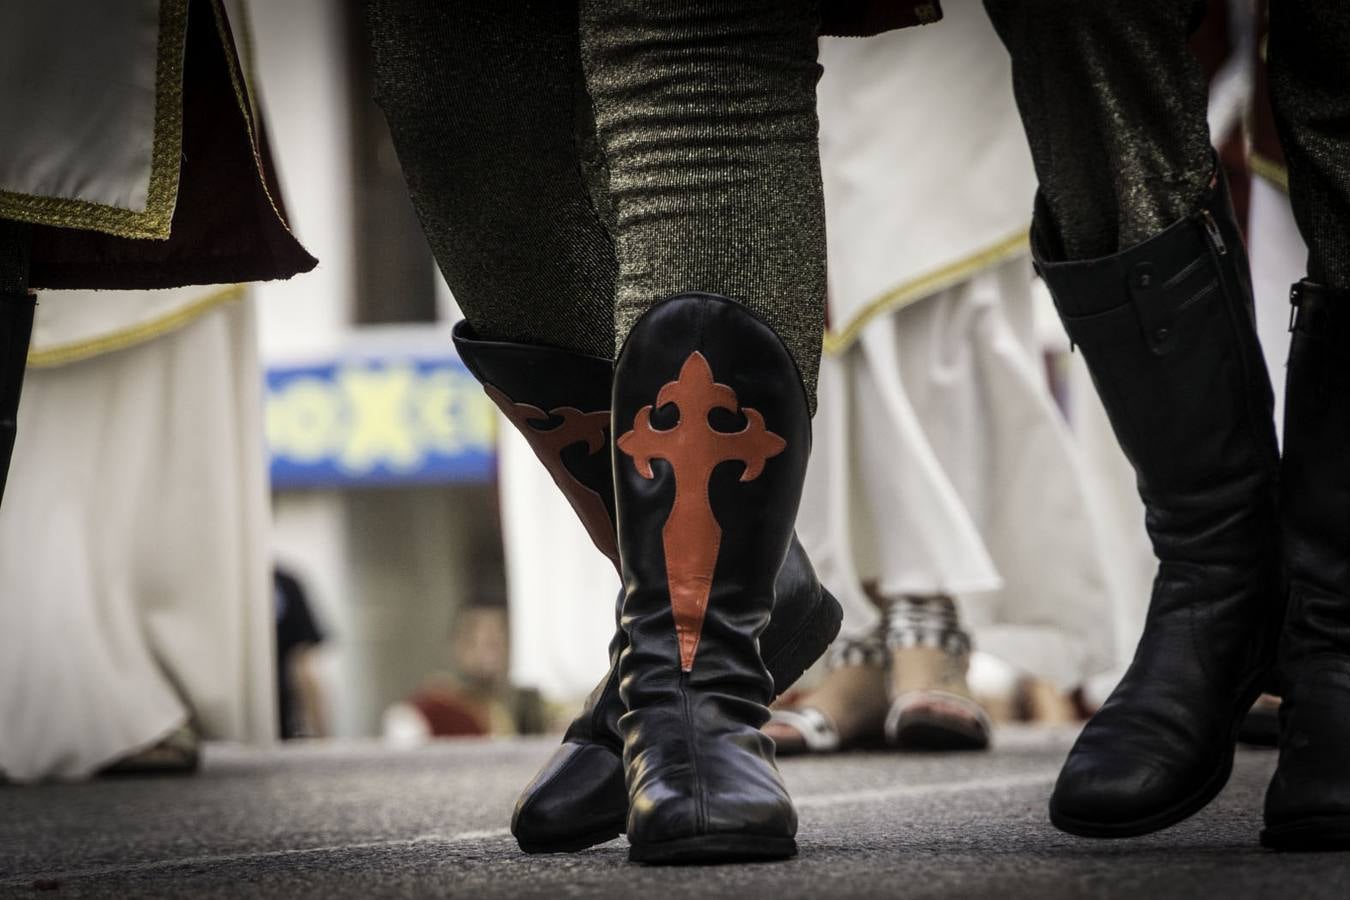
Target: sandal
931,705
855,685
178,753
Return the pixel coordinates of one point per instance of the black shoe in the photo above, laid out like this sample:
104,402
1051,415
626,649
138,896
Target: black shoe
16,328
1171,345
578,798
1308,802
714,435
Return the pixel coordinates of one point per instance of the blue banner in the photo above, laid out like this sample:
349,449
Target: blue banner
383,420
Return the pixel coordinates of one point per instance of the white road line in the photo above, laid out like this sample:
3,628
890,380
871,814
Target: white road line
809,801
900,791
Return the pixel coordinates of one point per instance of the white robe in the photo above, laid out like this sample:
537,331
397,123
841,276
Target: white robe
134,568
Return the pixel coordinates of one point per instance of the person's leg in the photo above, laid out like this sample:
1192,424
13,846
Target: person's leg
706,114
16,328
1308,803
1135,237
1309,70
497,143
1114,108
490,120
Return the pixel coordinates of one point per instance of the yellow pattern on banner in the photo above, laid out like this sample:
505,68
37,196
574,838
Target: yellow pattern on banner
394,416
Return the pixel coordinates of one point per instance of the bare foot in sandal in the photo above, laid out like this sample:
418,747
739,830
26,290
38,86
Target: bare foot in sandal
931,704
846,711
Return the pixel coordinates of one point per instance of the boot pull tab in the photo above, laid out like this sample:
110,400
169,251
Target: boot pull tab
1295,304
1155,320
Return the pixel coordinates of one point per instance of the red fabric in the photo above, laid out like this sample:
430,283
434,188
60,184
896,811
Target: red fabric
860,18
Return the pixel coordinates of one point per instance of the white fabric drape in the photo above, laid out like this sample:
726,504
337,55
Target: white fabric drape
134,572
941,466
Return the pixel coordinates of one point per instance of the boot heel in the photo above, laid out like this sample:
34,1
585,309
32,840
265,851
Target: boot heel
807,643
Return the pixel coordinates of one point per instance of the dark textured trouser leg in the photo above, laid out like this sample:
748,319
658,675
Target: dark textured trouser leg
1309,59
707,115
1114,107
16,327
492,125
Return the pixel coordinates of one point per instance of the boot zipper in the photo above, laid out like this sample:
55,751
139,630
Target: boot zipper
1215,235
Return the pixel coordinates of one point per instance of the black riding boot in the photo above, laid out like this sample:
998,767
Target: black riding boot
714,435
1308,803
560,402
16,328
1174,356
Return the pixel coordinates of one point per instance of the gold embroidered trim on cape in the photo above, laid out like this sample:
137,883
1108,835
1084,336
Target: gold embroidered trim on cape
1270,170
925,285
63,354
165,156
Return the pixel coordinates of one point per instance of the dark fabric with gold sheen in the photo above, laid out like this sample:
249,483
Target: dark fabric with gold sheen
225,228
1173,353
572,163
701,779
1115,109
1308,803
1309,76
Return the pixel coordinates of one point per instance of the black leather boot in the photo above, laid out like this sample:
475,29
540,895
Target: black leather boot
714,435
16,329
557,399
1173,353
1308,803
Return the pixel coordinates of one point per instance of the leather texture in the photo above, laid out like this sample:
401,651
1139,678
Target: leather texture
693,448
16,328
1308,802
1175,359
559,401
578,798
696,763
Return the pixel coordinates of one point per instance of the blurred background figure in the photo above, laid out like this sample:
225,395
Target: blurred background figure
946,504
133,558
475,697
302,701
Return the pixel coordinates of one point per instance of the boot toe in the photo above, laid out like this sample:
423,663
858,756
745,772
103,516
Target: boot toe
576,801
1102,794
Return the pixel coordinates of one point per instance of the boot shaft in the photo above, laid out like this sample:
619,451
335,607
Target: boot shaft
560,402
1315,473
1171,346
713,437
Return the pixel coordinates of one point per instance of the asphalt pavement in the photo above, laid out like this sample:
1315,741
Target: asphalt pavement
337,820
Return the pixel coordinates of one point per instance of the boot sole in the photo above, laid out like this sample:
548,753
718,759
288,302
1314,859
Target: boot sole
1311,834
1179,811
573,844
808,643
713,848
